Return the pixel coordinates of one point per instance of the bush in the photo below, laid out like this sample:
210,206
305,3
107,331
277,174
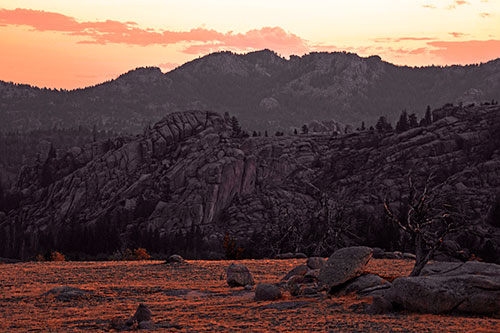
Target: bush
141,254
128,254
233,252
57,256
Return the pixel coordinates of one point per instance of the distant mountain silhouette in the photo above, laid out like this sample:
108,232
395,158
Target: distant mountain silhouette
264,90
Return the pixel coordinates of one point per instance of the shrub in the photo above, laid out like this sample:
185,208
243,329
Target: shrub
233,252
128,254
57,256
141,254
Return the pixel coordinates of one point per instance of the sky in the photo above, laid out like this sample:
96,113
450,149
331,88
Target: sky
71,44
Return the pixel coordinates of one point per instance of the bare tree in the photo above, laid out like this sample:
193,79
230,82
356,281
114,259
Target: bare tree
335,220
428,221
317,230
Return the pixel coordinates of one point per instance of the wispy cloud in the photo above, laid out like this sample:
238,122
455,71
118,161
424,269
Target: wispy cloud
485,15
106,32
401,39
457,34
256,39
457,3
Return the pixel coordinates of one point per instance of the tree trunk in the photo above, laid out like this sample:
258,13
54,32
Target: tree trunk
421,259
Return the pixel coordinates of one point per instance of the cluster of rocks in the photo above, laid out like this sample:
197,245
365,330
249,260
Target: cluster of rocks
443,287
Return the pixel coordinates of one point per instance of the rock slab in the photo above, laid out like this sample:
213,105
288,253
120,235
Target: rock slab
344,265
445,294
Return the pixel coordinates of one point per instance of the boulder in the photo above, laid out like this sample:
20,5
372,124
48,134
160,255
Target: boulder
295,283
290,255
361,283
410,256
378,253
147,325
238,275
67,293
344,265
298,270
315,262
379,305
468,293
287,255
175,259
393,255
462,268
312,274
267,292
143,313
307,289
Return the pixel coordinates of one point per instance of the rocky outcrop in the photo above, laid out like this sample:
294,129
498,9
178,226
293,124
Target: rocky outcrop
187,178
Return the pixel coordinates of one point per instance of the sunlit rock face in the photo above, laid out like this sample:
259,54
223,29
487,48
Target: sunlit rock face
188,177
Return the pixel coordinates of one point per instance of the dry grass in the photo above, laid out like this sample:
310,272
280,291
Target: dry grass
193,297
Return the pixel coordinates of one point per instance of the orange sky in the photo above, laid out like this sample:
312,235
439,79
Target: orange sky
70,44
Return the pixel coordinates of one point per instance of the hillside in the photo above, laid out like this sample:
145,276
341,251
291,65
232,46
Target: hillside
265,91
186,184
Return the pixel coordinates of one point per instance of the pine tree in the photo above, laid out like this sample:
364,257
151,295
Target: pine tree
383,125
412,121
428,116
305,129
402,124
363,128
235,125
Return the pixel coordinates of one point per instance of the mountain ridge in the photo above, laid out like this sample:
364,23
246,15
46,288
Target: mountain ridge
263,89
